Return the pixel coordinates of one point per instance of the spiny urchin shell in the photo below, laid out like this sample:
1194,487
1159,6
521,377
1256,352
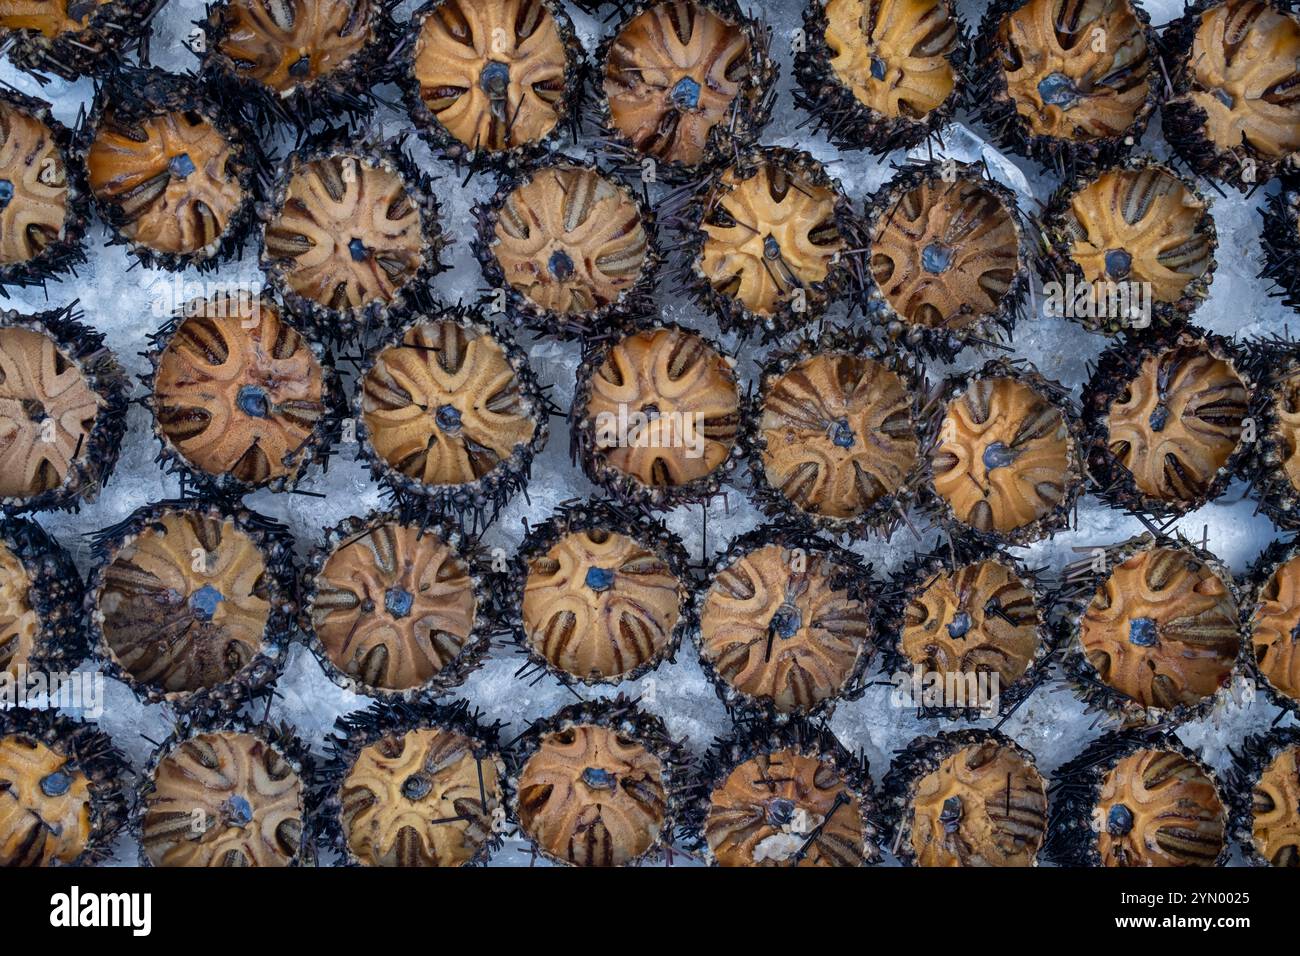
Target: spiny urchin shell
917,59
444,582
535,37
603,440
1273,462
171,209
787,623
364,268
716,107
1214,632
621,750
491,466
297,61
1271,612
1078,793
87,458
92,44
909,241
1139,389
767,292
635,619
847,410
1264,38
1116,48
44,217
971,585
229,799
37,577
85,750
1281,241
1040,417
588,246
1016,817
482,808
781,815
288,395
204,670
1104,218
1254,790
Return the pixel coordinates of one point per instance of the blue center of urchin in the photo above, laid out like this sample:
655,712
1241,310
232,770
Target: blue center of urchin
398,601
936,257
998,455
416,786
1057,89
951,814
357,249
300,67
1224,97
1119,821
560,264
56,784
779,811
1142,632
495,79
686,94
181,166
447,417
599,579
204,601
771,248
877,68
598,779
1118,263
1159,417
960,625
786,621
6,192
842,433
252,401
238,812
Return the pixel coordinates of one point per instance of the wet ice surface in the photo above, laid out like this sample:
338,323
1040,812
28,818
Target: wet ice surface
126,302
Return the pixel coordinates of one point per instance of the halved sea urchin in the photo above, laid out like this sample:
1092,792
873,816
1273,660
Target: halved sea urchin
395,609
880,74
41,592
948,259
572,244
192,603
1070,83
1234,111
1137,230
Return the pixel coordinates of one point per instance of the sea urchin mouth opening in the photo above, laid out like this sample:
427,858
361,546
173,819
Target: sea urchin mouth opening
448,417
6,192
204,601
561,265
1142,632
1159,417
300,67
35,410
357,249
771,248
237,812
416,786
1118,263
599,579
959,625
779,811
56,784
998,455
181,166
252,402
841,433
936,257
495,79
598,779
686,94
1119,821
951,814
1057,89
398,601
878,68
786,621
